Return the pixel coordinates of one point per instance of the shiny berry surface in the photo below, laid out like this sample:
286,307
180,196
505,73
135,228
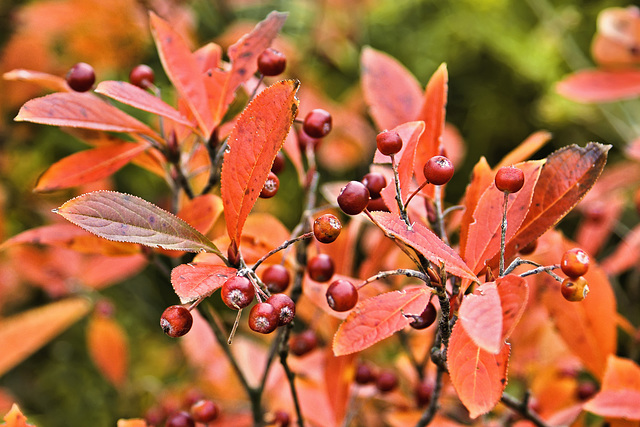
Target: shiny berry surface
317,123
438,170
320,268
204,411
81,77
575,263
263,318
426,318
276,278
574,289
303,343
285,307
375,183
142,76
387,381
342,295
176,321
389,142
180,419
353,198
270,187
271,62
326,228
509,179
237,292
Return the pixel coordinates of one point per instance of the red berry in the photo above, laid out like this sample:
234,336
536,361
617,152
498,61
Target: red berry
263,318
270,187
422,394
326,228
320,268
342,295
574,289
575,263
364,374
237,292
529,248
426,318
176,321
303,343
271,62
279,419
81,77
386,381
509,179
317,123
204,411
389,142
438,170
276,278
142,76
285,307
377,205
353,198
586,390
180,419
374,182
278,163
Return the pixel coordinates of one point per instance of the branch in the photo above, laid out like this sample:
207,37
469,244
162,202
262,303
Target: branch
523,409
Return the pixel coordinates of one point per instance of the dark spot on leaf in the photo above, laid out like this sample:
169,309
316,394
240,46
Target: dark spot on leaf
241,71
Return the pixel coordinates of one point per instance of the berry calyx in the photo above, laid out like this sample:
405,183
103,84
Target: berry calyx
320,268
317,123
284,306
270,187
426,318
278,163
574,289
180,419
176,321
353,198
389,142
342,295
387,381
303,343
237,292
81,77
575,263
276,278
326,228
509,179
142,76
438,170
364,374
374,182
263,318
271,62
204,411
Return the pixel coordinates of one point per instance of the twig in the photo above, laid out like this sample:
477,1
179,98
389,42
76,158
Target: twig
286,244
523,409
396,180
439,216
503,232
397,272
284,352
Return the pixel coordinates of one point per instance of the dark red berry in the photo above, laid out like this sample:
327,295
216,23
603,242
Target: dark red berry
320,268
305,141
285,307
575,263
377,205
426,318
81,77
342,295
278,163
270,187
276,278
574,289
303,343
422,394
180,419
529,248
364,374
586,390
374,182
438,170
386,381
263,318
353,198
389,142
176,321
204,411
317,123
509,179
326,228
142,76
271,62
237,292
279,418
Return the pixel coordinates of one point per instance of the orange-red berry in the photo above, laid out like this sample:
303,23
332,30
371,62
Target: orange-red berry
276,278
389,142
142,76
574,289
320,268
575,263
326,228
270,187
509,179
204,411
438,170
176,321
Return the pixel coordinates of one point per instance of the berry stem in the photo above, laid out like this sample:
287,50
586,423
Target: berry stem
416,191
503,233
398,272
430,412
283,353
540,269
523,408
281,247
396,180
216,153
439,225
235,327
255,89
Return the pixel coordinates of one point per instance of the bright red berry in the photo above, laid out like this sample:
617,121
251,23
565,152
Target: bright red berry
81,77
375,182
271,62
389,142
426,318
303,343
353,198
509,179
320,268
575,263
326,228
204,411
142,76
342,295
386,381
364,374
270,187
237,292
180,419
276,278
176,321
317,123
574,289
285,307
263,318
278,163
438,170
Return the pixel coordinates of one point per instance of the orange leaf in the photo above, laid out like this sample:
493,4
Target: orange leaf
26,332
135,422
626,254
202,212
108,348
44,80
481,317
525,149
15,418
377,318
199,280
88,166
601,85
392,93
514,293
620,391
479,377
254,142
481,179
338,378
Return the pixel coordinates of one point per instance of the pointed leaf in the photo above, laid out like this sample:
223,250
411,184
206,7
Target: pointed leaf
479,377
481,179
126,218
88,166
620,391
601,85
424,241
514,293
253,143
626,254
108,348
44,80
481,317
15,418
377,318
525,149
199,280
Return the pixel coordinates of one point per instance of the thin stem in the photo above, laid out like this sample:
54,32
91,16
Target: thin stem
452,209
284,352
182,181
417,191
540,269
523,409
397,272
432,409
439,216
281,247
503,232
396,180
255,89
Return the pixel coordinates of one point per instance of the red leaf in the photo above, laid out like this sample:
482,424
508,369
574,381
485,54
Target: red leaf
44,80
626,254
481,179
424,241
620,392
601,85
88,166
254,142
481,317
514,293
202,212
377,318
392,93
479,377
141,99
339,384
525,149
80,110
198,280
108,348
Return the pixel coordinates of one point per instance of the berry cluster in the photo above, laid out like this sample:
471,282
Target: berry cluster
575,264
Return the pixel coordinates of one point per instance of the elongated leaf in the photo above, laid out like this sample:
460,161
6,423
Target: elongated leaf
514,293
126,218
620,391
392,93
525,149
601,85
141,99
88,166
424,241
44,80
80,110
199,280
254,142
479,377
377,318
481,317
626,254
481,179
108,348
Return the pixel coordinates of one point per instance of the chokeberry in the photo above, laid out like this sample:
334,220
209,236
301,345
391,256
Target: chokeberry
426,318
303,343
574,289
586,390
270,187
342,295
423,393
263,318
353,198
204,411
271,62
326,228
81,77
237,292
176,321
285,307
317,123
180,419
142,76
320,268
364,374
386,381
276,278
509,179
278,163
375,182
438,170
279,418
575,263
389,142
